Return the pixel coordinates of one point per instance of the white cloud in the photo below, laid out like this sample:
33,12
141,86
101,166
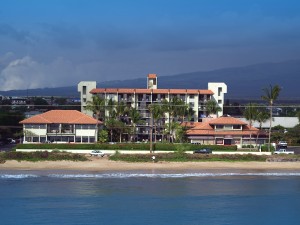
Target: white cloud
26,73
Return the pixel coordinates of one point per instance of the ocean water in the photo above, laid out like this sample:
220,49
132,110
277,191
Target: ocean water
63,197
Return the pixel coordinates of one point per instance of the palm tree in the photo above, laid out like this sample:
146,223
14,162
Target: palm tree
97,106
136,118
271,95
156,114
261,117
250,114
212,107
175,108
121,110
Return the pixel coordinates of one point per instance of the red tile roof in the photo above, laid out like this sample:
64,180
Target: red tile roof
61,116
224,120
148,91
151,75
206,128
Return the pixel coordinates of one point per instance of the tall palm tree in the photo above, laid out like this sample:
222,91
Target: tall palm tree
97,106
212,107
175,108
156,113
250,114
136,118
262,117
121,111
271,95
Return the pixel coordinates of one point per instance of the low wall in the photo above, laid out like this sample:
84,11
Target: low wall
110,152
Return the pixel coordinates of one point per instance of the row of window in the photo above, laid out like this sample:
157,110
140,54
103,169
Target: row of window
66,139
65,126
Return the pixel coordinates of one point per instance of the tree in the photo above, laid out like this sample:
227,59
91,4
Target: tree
156,114
298,115
97,106
135,118
175,108
212,107
270,95
250,114
103,136
262,117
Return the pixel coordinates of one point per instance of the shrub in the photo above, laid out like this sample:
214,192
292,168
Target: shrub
42,156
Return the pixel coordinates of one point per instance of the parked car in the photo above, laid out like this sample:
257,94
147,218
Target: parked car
97,153
283,151
282,144
203,151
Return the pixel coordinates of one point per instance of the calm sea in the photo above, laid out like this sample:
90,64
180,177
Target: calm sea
60,197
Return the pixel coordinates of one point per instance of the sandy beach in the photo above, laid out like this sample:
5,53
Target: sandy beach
103,164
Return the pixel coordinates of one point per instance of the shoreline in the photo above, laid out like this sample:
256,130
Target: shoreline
103,165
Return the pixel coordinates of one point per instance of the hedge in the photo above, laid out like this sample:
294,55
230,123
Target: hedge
183,157
128,146
40,156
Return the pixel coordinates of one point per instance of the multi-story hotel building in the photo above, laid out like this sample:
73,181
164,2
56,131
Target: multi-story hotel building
142,98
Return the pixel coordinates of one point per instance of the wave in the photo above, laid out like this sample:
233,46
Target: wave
17,176
144,175
168,175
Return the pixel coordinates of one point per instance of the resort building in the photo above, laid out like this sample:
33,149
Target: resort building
140,99
60,126
224,130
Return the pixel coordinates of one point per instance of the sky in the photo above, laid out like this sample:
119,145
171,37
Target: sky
54,43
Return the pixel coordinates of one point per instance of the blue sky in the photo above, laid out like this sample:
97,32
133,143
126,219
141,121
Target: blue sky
50,43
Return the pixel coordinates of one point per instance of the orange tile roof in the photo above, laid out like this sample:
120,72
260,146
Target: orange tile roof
226,120
151,75
206,92
143,91
192,91
148,91
126,90
160,91
177,91
61,116
190,124
206,128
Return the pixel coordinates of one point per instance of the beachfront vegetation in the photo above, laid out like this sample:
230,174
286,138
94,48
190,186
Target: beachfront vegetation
127,146
41,156
183,157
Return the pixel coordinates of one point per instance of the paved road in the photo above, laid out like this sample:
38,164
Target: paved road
296,149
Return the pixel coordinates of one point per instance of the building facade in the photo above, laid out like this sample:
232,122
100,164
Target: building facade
140,99
225,130
60,126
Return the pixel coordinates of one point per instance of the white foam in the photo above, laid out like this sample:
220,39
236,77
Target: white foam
17,176
167,175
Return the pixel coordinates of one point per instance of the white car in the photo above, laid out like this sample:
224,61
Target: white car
283,151
97,153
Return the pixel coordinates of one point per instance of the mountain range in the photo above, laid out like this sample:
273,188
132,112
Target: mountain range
244,82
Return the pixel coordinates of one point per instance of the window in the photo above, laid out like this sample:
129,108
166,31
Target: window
236,127
219,141
84,90
92,139
219,101
78,139
219,127
85,139
219,91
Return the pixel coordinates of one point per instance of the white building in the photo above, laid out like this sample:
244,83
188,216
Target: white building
60,126
141,98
